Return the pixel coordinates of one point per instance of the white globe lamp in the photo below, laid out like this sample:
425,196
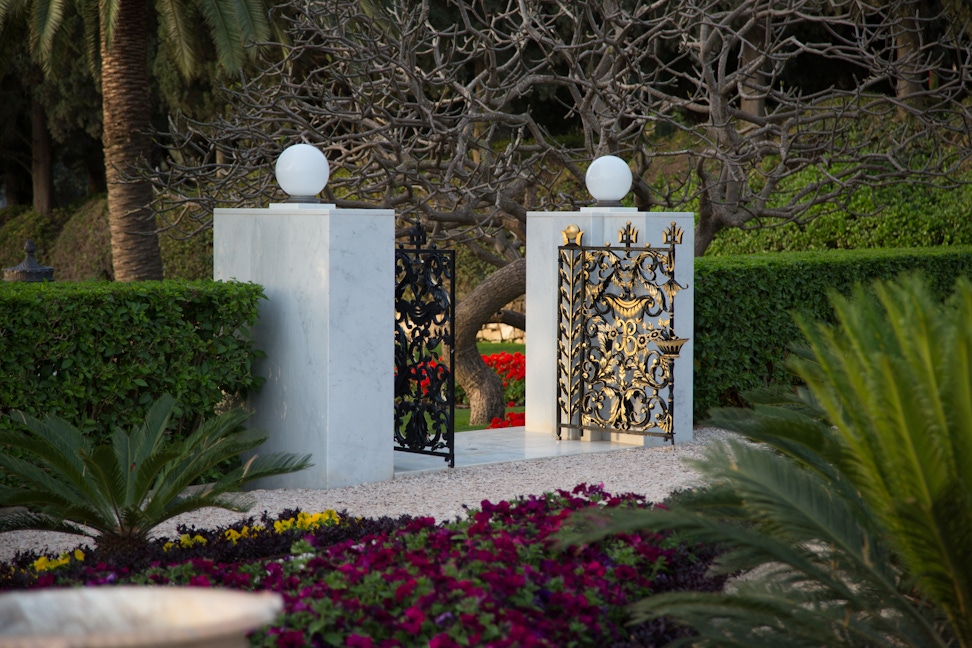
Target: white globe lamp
609,180
302,172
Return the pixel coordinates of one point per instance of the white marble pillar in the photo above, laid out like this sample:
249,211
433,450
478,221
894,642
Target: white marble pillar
600,226
327,329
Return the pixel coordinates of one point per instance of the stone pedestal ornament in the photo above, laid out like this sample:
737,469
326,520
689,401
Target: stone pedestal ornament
29,269
326,327
652,336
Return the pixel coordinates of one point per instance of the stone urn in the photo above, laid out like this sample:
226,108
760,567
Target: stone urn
142,617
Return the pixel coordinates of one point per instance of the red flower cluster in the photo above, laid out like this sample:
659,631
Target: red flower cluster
513,419
510,366
425,372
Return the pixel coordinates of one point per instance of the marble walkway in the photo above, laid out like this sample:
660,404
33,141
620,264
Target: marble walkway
480,447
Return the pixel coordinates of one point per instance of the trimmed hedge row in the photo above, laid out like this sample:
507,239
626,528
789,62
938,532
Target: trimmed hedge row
98,354
902,215
745,306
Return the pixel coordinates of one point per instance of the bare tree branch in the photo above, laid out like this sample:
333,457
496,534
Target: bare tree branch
446,110
430,108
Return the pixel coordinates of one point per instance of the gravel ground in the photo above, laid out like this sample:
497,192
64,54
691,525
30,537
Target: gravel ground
652,472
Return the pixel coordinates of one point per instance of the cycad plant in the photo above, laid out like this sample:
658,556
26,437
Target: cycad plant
117,493
849,521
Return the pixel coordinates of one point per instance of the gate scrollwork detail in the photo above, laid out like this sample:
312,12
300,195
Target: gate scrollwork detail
616,335
424,316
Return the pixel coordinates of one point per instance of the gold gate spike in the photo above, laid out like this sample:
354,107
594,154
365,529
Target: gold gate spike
628,235
572,235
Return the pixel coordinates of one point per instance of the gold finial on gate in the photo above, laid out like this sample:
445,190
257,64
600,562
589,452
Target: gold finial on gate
628,235
572,235
673,235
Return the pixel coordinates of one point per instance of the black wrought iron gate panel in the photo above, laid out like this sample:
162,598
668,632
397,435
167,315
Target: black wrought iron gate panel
424,316
616,335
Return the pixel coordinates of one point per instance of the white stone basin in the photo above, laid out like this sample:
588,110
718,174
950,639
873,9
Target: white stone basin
142,617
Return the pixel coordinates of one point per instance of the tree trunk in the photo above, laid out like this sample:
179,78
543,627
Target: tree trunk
482,385
709,222
907,43
41,159
754,101
13,163
511,318
125,100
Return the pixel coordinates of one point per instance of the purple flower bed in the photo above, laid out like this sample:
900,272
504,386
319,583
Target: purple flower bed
493,579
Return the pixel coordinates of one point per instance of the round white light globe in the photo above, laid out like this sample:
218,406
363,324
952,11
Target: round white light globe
302,171
608,179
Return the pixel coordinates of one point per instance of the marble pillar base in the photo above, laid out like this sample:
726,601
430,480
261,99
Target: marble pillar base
327,329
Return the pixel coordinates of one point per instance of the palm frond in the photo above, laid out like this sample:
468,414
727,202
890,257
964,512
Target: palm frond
125,489
176,17
108,19
40,484
28,521
46,19
152,473
37,498
203,498
903,438
90,17
148,437
133,450
108,479
10,10
849,511
221,17
270,465
776,614
238,502
214,441
63,439
252,21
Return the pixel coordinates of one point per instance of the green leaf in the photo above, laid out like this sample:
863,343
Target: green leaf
125,489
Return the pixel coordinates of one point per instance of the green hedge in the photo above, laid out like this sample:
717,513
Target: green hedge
97,354
903,215
744,307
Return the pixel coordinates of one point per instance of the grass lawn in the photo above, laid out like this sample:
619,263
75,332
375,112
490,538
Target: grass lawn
462,418
489,348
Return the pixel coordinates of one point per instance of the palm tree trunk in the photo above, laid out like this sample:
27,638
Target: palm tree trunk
41,159
125,101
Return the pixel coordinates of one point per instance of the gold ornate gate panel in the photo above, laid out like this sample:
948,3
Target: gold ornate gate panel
616,335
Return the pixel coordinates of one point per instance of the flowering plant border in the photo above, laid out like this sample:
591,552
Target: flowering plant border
494,578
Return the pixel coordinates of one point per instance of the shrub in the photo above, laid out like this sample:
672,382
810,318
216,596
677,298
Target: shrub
98,354
117,493
512,419
76,241
854,526
743,306
904,215
511,368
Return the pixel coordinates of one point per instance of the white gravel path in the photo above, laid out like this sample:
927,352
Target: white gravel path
653,472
